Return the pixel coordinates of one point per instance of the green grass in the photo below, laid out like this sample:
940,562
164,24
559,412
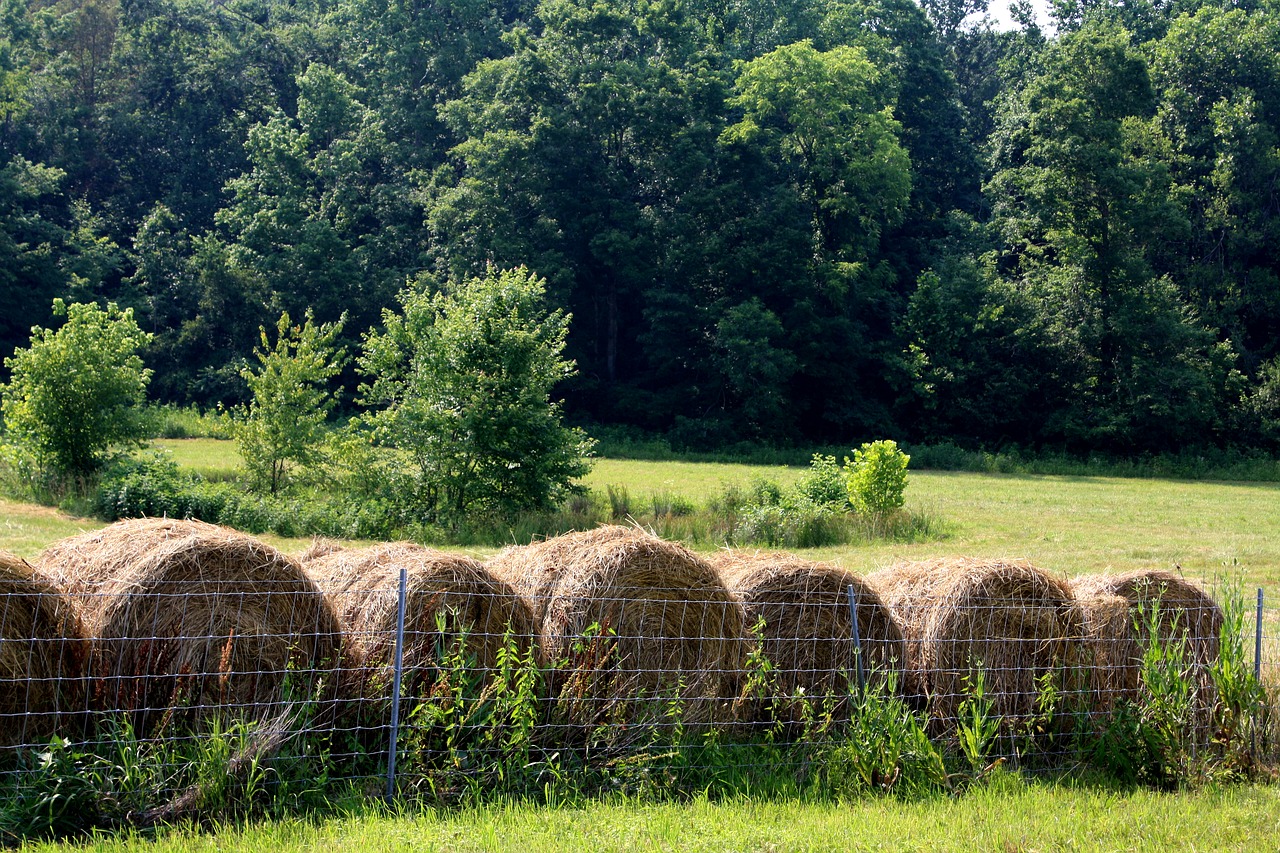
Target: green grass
1006,816
212,458
25,529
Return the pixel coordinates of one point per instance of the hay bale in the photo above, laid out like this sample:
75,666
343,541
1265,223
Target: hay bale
666,624
185,619
807,632
41,657
450,600
1016,620
1118,610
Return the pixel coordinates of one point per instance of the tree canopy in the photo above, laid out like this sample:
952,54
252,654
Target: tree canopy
774,222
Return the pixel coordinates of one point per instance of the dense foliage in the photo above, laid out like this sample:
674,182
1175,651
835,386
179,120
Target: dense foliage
780,223
75,394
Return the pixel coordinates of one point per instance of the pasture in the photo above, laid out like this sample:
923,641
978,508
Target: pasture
1068,525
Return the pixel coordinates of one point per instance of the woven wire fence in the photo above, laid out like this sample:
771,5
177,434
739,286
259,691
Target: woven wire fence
611,660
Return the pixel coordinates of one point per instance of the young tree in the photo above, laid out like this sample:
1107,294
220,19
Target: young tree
284,423
465,378
76,393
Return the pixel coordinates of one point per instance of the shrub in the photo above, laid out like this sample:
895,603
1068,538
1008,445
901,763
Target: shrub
284,424
76,394
465,378
877,478
824,483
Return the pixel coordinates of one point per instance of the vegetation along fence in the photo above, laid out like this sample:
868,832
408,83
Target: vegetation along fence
160,669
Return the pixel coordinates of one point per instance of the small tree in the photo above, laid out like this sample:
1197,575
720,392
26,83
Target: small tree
465,379
283,427
877,478
76,394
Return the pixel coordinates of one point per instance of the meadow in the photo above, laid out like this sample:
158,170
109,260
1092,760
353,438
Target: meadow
1070,525
1066,524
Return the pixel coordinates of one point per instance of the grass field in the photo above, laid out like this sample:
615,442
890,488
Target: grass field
1009,815
1071,525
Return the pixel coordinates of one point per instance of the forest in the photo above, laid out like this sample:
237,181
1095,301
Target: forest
783,222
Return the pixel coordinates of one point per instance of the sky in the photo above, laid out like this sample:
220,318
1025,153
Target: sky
999,11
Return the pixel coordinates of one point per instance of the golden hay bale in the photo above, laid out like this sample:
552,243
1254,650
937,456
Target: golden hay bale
185,619
1017,621
666,623
807,632
41,657
1117,610
449,597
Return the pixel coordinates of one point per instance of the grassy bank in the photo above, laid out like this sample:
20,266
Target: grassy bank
1009,815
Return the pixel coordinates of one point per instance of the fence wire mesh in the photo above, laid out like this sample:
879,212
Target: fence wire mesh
612,655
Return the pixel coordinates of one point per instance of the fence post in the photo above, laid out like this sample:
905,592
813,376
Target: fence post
857,641
1257,641
395,682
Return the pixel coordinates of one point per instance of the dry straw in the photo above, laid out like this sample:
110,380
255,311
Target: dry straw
627,616
1013,619
184,619
1117,611
41,657
807,629
452,602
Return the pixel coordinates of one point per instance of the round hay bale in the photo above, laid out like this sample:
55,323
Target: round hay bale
625,616
807,630
452,603
41,657
1119,610
1015,620
185,619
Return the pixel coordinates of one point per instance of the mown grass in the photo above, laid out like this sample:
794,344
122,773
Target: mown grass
1008,815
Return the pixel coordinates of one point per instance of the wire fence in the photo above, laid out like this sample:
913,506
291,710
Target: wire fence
610,655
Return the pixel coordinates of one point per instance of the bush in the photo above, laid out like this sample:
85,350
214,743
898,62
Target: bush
283,427
824,483
877,478
76,394
465,378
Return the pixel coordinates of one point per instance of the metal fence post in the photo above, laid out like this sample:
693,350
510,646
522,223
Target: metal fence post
395,683
857,640
1257,641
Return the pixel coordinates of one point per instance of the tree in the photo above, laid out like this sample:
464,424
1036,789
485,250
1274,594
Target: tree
829,116
76,393
1083,201
283,426
465,378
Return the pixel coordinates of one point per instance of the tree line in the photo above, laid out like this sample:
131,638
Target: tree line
775,222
